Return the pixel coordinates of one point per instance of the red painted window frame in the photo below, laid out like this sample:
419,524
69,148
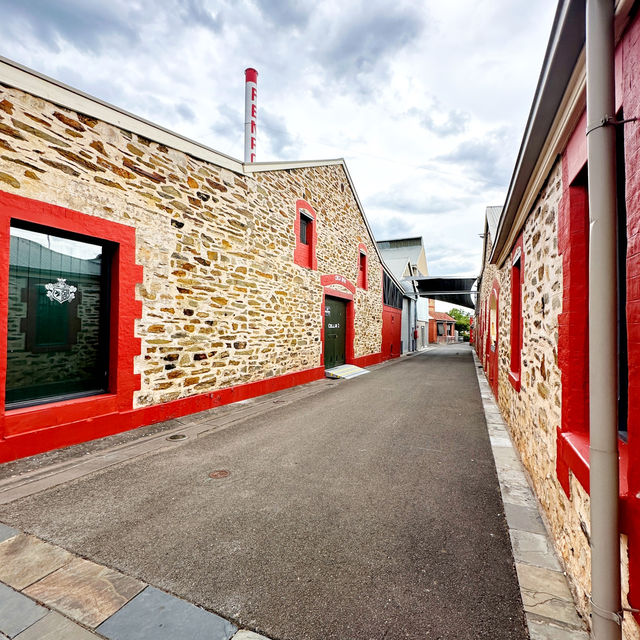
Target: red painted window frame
304,255
492,355
517,325
573,322
124,310
362,267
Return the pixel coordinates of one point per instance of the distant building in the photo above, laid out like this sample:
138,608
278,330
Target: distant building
406,258
442,328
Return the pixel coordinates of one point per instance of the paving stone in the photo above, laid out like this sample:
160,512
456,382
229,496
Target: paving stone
511,476
501,440
533,548
156,615
545,631
85,591
25,559
55,627
524,518
546,581
551,610
17,612
518,494
248,635
7,532
507,457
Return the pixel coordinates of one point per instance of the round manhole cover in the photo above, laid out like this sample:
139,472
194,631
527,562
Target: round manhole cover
219,473
177,436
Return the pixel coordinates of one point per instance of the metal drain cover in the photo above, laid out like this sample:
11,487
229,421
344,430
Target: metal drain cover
219,473
177,436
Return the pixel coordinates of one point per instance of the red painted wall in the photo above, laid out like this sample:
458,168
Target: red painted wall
391,332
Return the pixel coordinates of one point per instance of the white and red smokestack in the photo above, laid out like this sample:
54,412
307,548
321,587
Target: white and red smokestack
250,114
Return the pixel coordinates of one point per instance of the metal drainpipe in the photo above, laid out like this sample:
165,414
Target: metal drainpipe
603,418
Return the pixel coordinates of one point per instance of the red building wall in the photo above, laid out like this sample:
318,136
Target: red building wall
391,332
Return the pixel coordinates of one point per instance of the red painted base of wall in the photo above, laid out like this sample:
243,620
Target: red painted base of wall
99,426
368,361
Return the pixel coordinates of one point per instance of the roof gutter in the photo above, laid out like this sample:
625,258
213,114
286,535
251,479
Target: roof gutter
564,48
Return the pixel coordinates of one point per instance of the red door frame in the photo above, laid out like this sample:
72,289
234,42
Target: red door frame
326,282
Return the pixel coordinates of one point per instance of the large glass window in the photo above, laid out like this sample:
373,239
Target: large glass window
57,345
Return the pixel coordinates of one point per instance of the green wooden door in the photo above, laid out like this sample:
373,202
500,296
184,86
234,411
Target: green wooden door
335,320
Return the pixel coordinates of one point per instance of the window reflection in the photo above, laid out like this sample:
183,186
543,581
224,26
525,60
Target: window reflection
57,322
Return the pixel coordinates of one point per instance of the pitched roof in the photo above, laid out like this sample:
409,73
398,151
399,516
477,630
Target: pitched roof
439,315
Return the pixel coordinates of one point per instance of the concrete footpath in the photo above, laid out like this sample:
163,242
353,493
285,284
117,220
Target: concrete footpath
358,509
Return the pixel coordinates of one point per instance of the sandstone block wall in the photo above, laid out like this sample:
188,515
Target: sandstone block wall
223,301
534,413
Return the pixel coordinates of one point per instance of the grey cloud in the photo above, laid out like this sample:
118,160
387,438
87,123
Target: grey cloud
185,112
228,123
194,13
275,130
285,13
415,204
485,158
447,260
364,42
454,121
88,25
391,227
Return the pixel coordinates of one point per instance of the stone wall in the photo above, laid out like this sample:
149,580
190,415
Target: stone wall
223,301
533,413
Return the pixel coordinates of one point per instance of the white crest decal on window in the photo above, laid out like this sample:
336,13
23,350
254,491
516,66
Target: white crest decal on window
61,291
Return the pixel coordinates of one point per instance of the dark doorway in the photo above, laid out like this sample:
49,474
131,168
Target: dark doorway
335,323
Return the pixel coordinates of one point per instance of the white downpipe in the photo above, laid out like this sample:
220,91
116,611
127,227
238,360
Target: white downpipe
603,401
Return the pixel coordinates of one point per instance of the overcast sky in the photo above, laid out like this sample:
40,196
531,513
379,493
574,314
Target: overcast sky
426,101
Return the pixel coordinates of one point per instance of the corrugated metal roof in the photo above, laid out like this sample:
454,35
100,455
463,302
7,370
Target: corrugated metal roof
493,219
397,265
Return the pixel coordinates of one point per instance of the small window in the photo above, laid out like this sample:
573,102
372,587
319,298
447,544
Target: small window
362,270
58,316
305,236
305,224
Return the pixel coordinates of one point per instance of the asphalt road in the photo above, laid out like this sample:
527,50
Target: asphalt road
370,510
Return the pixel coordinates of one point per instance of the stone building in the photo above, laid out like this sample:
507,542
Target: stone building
406,258
150,277
531,324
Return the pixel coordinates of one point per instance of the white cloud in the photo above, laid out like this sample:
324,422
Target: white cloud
426,101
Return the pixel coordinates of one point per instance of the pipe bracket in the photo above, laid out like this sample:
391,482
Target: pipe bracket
614,616
608,121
